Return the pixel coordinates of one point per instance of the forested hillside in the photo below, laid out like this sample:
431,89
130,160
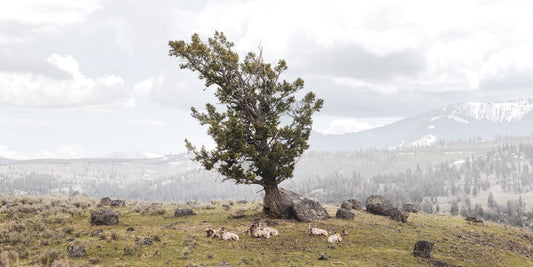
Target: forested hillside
492,179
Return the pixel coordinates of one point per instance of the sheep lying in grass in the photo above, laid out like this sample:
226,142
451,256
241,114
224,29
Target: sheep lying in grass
270,231
211,233
257,232
317,231
337,238
225,235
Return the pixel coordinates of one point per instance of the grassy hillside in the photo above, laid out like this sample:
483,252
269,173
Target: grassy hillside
37,231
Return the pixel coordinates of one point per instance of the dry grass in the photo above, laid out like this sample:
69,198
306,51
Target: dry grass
37,231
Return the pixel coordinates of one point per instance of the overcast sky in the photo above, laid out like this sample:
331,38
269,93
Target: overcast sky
87,77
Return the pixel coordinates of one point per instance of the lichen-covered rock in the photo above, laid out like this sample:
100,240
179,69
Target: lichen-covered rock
118,203
398,215
76,251
180,212
105,201
410,207
356,204
423,249
344,214
474,219
379,205
347,205
144,242
104,217
304,209
97,232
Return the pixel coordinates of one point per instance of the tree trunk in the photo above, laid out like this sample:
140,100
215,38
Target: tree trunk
273,203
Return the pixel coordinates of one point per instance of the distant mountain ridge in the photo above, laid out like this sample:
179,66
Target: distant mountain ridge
459,121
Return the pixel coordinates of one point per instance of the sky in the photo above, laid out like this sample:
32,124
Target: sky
86,78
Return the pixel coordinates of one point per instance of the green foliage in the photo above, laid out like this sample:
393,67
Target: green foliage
263,128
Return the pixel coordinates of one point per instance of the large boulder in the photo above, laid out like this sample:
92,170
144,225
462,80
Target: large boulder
104,217
180,212
410,207
344,214
105,201
379,205
423,249
398,215
118,203
301,208
347,205
356,204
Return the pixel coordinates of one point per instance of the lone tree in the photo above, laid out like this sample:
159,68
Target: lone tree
262,130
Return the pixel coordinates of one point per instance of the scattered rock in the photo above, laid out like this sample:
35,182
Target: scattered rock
104,217
423,249
118,203
131,229
410,207
323,257
97,232
242,201
144,242
224,264
180,212
344,214
105,201
378,204
356,204
237,215
398,215
301,208
347,205
474,219
76,251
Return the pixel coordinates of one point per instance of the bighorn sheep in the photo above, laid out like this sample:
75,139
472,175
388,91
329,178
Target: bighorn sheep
225,235
258,233
211,233
270,231
317,231
337,238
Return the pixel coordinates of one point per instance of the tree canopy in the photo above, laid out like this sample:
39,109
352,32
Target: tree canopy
259,127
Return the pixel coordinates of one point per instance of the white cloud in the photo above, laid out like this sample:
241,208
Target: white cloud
56,12
36,90
507,69
148,122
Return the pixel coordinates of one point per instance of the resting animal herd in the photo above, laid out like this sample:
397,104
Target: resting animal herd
258,231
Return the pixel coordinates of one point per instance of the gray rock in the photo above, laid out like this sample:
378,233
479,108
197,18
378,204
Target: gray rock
398,215
347,205
344,214
104,217
76,251
304,209
410,207
97,232
356,204
474,219
144,242
224,264
118,203
323,257
423,249
105,201
180,212
379,205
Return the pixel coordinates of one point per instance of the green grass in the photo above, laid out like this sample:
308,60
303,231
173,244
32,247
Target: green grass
48,226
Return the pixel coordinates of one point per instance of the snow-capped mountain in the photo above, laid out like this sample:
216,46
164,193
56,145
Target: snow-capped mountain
460,121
